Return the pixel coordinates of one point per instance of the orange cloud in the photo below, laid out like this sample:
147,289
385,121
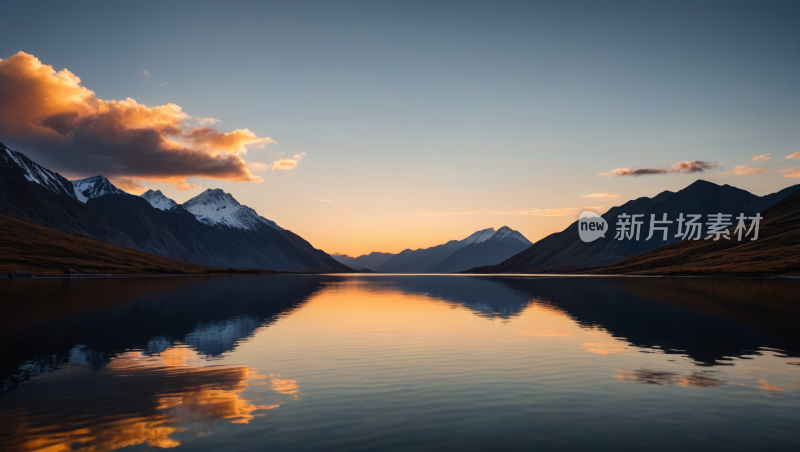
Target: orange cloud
284,164
796,155
258,166
217,142
601,195
791,172
52,117
747,170
762,158
129,184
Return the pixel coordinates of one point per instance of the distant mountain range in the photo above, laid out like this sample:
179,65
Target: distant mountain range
485,247
211,229
564,252
365,261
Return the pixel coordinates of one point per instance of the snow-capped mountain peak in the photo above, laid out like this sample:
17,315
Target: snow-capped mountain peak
158,200
34,172
215,207
478,237
506,233
93,187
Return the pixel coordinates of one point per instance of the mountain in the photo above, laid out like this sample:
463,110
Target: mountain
215,207
565,252
158,200
34,194
368,261
497,248
221,232
236,238
30,248
484,247
93,187
775,252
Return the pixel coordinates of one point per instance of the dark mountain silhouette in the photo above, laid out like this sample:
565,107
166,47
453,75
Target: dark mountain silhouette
775,252
502,244
177,234
481,248
564,252
30,248
32,193
365,261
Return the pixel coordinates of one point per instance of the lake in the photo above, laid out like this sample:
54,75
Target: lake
400,362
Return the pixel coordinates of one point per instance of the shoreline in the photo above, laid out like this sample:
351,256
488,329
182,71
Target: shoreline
28,276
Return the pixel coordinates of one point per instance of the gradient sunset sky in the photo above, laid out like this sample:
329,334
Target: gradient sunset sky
381,126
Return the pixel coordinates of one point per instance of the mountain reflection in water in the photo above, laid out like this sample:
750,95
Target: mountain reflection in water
418,361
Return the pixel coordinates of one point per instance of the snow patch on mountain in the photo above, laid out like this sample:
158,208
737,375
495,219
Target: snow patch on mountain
215,207
478,237
506,233
34,172
94,187
158,200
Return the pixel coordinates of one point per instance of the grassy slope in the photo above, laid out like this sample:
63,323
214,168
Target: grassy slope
29,248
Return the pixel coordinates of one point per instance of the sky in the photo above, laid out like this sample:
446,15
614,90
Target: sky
382,126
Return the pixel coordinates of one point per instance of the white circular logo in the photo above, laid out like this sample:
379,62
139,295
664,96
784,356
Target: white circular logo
591,226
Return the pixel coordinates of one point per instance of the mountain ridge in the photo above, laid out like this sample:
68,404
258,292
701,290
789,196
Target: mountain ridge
484,246
365,261
565,252
775,252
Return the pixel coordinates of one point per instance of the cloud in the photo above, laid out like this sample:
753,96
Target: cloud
791,172
53,118
445,214
284,164
334,202
142,72
217,142
601,195
762,158
163,84
183,185
299,156
258,166
747,170
561,212
694,166
796,155
129,184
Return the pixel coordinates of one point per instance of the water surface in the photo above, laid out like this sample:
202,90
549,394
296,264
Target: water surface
406,362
